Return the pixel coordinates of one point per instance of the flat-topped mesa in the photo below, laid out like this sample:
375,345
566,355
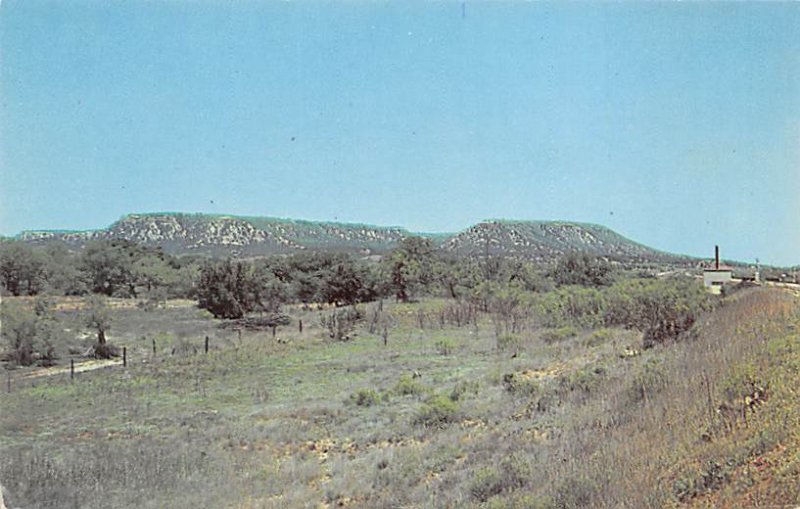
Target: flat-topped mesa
225,235
545,240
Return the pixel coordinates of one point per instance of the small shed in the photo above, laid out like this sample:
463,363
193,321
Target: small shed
716,275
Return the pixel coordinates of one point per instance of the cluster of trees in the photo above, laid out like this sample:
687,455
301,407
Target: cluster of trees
115,268
576,290
30,332
662,308
233,288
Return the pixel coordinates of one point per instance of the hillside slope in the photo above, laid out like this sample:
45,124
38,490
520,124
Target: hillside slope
445,414
545,240
229,235
217,235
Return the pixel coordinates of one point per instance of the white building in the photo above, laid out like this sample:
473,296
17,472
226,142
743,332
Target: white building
716,275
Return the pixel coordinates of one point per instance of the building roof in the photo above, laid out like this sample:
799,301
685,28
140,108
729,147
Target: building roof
711,267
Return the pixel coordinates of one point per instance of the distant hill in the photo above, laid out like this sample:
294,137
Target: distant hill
220,235
545,240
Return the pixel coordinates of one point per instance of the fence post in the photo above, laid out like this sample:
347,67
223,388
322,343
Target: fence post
154,347
71,369
8,382
300,326
206,344
124,357
274,330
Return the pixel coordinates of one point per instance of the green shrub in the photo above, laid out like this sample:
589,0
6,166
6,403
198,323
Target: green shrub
557,335
520,384
575,491
510,475
366,397
486,484
586,380
437,411
462,388
662,309
570,305
407,385
29,334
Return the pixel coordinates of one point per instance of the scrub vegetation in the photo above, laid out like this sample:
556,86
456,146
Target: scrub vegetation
416,381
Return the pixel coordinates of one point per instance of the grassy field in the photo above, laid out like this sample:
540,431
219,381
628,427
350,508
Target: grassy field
444,412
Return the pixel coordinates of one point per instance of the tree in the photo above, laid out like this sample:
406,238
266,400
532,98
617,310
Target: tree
582,269
98,317
410,267
662,309
64,275
22,269
230,289
19,332
28,333
109,266
346,283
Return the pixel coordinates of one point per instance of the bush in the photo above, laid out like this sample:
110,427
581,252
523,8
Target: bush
28,334
366,397
662,309
511,475
231,289
521,384
407,385
586,380
437,411
582,269
462,388
558,335
571,305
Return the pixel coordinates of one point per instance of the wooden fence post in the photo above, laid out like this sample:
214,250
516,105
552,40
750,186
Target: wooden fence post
154,347
206,344
71,369
124,357
300,326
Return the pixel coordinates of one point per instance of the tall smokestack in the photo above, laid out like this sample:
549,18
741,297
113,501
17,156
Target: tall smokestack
716,257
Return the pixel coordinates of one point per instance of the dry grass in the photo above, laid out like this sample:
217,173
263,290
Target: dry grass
301,421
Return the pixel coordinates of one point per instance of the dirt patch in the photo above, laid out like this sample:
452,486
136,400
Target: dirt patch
63,370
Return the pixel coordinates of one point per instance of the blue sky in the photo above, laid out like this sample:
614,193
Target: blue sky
676,124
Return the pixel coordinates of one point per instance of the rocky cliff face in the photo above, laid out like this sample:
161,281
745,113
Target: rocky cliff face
258,236
226,235
546,240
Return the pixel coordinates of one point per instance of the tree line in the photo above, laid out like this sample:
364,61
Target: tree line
576,290
231,288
